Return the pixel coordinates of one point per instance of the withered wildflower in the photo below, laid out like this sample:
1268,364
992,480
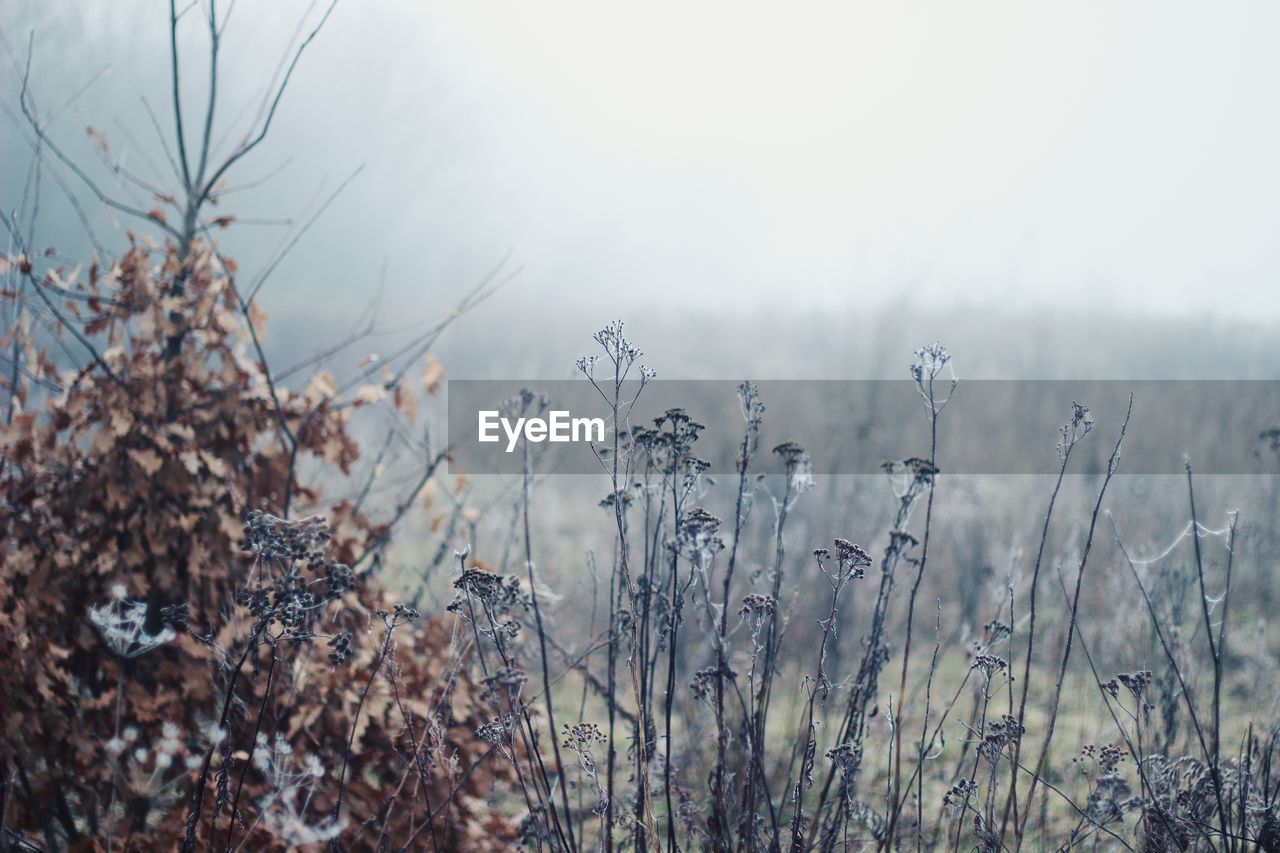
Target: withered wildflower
799,469
995,631
578,739
278,592
122,623
273,538
849,552
1136,682
989,664
959,793
757,605
704,681
489,587
1108,758
399,614
847,759
697,531
852,559
622,496
176,615
931,360
580,736
999,735
497,731
1070,433
341,648
339,579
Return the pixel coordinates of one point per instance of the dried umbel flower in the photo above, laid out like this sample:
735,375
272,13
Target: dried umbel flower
122,624
176,615
959,793
278,593
989,664
489,587
704,681
580,736
273,538
851,560
1108,758
616,345
757,605
848,552
931,360
791,453
1070,433
698,531
910,478
999,735
290,786
400,614
341,646
1136,682
752,409
611,500
339,579
497,731
847,759
995,631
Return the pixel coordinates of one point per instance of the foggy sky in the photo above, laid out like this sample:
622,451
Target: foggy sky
643,159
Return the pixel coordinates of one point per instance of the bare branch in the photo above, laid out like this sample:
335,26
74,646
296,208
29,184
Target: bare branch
245,148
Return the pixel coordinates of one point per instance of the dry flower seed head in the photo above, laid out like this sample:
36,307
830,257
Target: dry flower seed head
615,344
273,538
698,531
339,579
791,454
989,664
846,758
622,496
122,623
1110,757
1136,682
931,360
752,409
340,644
175,615
580,736
486,586
847,552
1070,433
757,605
999,735
497,731
704,681
959,793
995,631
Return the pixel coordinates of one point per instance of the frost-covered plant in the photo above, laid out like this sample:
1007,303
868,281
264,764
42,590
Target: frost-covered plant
122,622
284,807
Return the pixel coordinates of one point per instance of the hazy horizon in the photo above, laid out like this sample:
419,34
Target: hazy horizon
743,158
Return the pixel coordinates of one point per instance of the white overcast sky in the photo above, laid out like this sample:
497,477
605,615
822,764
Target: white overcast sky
697,153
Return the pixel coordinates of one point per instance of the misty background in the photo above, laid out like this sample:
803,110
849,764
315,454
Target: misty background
756,189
